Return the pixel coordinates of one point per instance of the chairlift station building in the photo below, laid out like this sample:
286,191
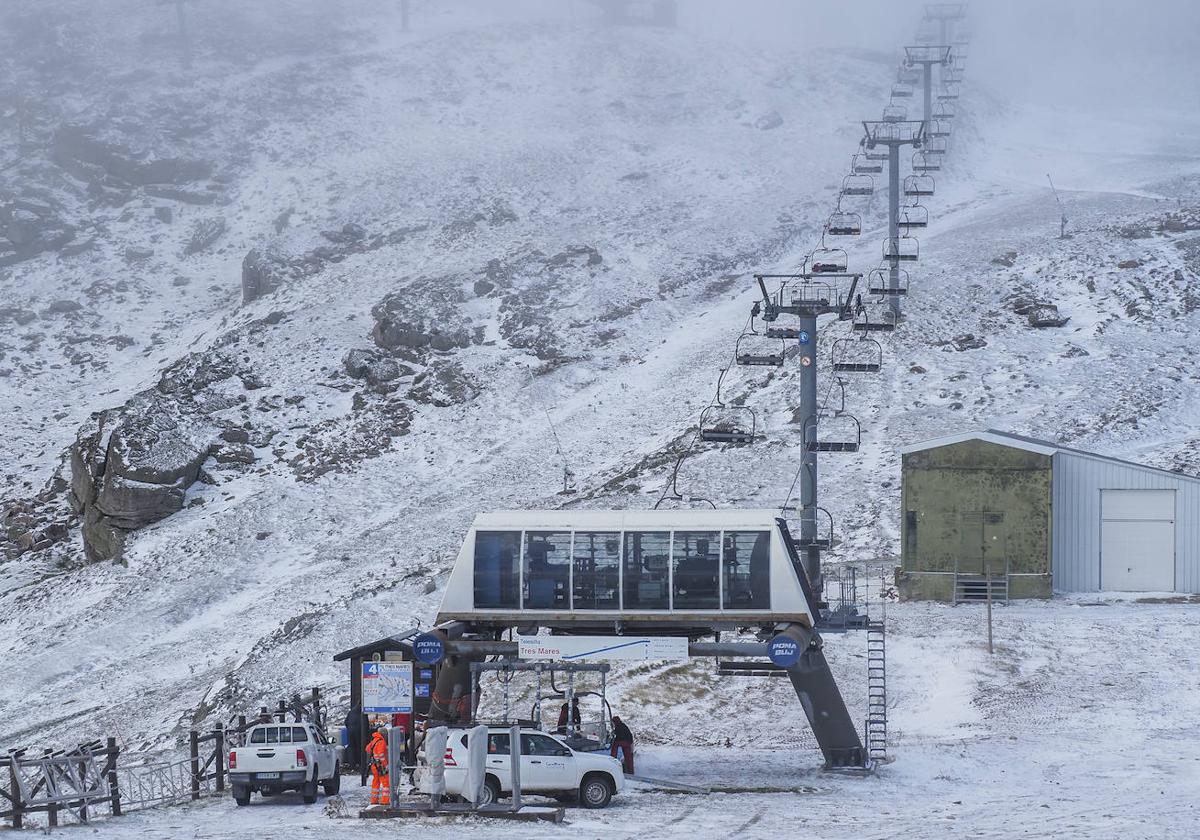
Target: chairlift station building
1028,517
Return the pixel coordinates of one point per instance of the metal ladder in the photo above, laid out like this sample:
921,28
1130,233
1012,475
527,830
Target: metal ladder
876,734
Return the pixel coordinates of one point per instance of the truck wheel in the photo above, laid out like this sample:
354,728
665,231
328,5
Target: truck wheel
595,792
241,796
491,791
334,783
309,791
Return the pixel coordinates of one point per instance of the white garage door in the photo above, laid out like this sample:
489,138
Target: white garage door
1137,540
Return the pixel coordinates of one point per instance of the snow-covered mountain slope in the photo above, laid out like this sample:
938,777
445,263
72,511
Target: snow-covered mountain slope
547,218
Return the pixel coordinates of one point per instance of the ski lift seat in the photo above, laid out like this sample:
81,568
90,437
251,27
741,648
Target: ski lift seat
842,432
728,424
844,224
858,185
880,283
919,185
913,217
856,355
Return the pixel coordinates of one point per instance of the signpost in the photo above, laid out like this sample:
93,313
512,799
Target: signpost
387,688
607,648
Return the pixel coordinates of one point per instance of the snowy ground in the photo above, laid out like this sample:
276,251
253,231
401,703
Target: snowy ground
1081,725
643,146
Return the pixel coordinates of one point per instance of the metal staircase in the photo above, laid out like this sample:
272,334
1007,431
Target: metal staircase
876,734
973,589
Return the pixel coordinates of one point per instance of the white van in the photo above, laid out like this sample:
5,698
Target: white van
548,768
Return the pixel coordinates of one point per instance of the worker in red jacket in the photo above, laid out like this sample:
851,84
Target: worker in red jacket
623,740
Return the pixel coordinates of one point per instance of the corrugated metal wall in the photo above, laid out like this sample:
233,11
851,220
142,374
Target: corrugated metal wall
1078,480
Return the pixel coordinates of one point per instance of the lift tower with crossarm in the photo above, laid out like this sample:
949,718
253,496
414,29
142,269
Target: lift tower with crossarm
892,136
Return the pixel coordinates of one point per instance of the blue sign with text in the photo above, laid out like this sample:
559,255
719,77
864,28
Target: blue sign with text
784,651
804,337
429,648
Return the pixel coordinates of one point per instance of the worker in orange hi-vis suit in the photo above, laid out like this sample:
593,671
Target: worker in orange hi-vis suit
377,750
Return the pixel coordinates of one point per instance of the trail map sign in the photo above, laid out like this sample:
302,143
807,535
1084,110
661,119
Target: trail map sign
605,648
387,687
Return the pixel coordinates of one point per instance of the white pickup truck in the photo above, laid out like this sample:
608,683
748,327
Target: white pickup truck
548,768
284,756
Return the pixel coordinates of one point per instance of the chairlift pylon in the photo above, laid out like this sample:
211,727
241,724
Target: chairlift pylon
857,355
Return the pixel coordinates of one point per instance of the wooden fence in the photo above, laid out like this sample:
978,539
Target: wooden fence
88,780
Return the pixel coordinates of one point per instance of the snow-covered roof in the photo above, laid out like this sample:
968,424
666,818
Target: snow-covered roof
1030,444
1041,447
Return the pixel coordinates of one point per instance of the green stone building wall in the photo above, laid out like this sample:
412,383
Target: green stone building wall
969,502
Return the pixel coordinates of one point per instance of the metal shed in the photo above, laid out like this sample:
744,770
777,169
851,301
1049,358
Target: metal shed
1023,517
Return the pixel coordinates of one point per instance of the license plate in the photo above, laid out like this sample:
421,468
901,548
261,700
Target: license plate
268,775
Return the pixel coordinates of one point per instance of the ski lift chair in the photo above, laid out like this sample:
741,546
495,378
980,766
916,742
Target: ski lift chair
879,283
818,521
786,333
867,322
832,431
904,248
936,146
756,350
803,293
857,355
844,224
895,114
737,424
943,111
902,91
949,93
863,164
909,75
858,185
918,186
922,163
938,128
829,261
913,217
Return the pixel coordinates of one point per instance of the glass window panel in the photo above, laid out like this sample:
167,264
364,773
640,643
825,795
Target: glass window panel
258,736
547,570
647,570
697,559
747,564
272,734
299,735
498,744
540,745
497,555
597,560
